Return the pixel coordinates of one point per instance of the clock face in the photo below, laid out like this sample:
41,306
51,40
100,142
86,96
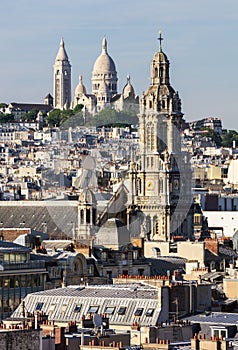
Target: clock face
149,185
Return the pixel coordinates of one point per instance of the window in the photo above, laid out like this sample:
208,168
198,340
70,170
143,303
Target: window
38,306
122,310
138,312
51,308
77,308
93,309
64,307
109,310
220,332
149,312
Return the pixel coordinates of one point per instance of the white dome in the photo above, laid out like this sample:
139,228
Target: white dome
80,88
104,63
128,89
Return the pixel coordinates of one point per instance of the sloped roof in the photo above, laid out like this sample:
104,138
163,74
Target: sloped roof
113,234
10,246
59,304
26,107
53,217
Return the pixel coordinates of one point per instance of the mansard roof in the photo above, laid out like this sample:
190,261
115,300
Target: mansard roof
59,304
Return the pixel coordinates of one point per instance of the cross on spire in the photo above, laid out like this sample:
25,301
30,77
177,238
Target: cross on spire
160,41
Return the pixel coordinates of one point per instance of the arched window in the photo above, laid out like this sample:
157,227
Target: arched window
81,217
139,186
161,72
155,225
156,72
88,216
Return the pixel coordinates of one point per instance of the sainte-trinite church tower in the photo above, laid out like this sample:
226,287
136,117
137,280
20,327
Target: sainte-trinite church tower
160,174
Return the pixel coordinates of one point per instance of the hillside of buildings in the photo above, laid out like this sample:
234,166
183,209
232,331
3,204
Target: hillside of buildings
118,218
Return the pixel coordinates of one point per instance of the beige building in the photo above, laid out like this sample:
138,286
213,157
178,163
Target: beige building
230,287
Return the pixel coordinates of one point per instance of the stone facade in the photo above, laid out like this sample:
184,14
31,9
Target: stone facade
161,175
62,79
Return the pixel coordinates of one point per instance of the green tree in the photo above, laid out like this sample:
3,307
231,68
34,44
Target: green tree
31,115
78,108
54,118
110,116
229,137
6,118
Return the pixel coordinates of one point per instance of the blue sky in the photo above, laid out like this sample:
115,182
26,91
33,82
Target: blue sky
200,40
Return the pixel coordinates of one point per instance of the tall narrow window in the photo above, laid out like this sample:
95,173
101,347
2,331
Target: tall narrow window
81,216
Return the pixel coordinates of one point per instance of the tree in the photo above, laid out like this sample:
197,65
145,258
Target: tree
229,137
54,117
110,116
78,108
6,118
31,115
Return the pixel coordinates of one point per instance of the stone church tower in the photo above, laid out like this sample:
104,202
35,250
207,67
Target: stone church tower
62,79
161,175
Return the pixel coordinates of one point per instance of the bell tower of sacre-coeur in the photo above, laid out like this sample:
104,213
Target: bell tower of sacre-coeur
161,201
62,79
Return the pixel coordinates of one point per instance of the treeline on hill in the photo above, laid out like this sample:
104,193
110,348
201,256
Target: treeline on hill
224,140
76,117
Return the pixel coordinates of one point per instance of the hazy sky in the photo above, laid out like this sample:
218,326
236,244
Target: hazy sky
200,40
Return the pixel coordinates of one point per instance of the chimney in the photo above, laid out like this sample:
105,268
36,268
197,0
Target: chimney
212,245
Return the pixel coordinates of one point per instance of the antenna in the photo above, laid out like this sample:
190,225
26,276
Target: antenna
97,320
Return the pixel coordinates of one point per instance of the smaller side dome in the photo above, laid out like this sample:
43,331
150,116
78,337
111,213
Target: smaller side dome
128,90
80,88
87,197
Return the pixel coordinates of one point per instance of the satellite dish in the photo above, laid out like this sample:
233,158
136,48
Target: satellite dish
97,320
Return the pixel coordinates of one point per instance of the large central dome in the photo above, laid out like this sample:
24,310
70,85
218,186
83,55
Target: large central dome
104,63
104,73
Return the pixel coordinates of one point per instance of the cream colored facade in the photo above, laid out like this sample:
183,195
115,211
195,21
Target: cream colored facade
189,250
230,287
